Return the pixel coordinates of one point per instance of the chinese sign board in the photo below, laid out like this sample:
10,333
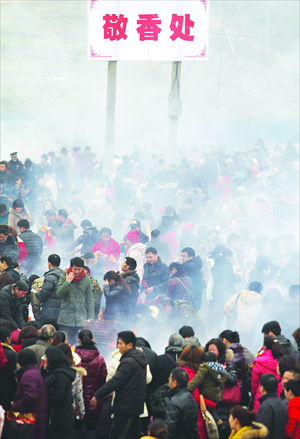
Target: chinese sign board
148,30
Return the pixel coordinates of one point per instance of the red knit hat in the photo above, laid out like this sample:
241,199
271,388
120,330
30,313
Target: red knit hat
133,236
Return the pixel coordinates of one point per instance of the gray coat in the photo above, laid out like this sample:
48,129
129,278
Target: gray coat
77,301
47,295
10,307
10,248
34,245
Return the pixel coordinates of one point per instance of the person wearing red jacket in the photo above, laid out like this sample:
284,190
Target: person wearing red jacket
292,394
3,359
108,249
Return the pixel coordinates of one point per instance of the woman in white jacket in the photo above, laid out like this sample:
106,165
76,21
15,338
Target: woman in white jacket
136,250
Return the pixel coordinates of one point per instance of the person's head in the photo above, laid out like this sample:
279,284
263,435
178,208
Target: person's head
216,346
178,378
158,429
85,338
135,224
105,234
187,253
294,292
292,389
255,286
90,258
26,357
129,264
287,362
291,374
62,215
47,332
23,225
186,332
155,233
5,279
229,337
3,209
126,341
151,255
167,305
271,328
86,224
240,417
27,332
54,358
209,357
18,206
2,166
50,216
188,204
132,238
275,347
5,262
268,384
19,289
58,338
296,335
5,335
14,156
18,181
53,261
4,232
192,354
176,340
76,265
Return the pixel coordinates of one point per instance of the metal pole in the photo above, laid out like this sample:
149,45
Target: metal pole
174,111
110,118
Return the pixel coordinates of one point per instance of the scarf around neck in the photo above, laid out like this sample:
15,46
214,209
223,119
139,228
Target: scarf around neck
77,278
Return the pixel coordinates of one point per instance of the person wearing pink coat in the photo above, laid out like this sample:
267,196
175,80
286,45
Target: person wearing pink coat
266,362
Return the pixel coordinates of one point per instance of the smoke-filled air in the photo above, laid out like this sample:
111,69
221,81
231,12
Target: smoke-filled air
149,220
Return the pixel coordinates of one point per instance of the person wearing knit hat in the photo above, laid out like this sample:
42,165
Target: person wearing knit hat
136,250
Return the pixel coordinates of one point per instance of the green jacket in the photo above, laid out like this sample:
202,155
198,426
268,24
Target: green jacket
77,301
210,378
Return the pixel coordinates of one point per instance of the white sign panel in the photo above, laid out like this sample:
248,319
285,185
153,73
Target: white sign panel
148,30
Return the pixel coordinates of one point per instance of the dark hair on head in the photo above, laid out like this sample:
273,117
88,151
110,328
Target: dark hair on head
66,350
7,324
76,262
189,251
26,357
130,262
244,416
7,260
63,212
33,323
220,346
87,270
4,230
17,178
27,332
269,382
151,250
117,278
89,255
86,337
287,362
178,267
4,333
273,344
231,336
296,335
294,386
180,376
15,264
55,358
158,429
127,337
23,223
255,286
186,331
233,237
13,233
21,285
209,356
294,290
3,208
58,338
49,212
85,223
18,203
106,230
54,260
51,322
141,342
5,279
271,326
216,251
169,211
192,354
155,233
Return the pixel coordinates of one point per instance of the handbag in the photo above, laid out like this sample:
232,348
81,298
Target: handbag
232,395
21,425
210,423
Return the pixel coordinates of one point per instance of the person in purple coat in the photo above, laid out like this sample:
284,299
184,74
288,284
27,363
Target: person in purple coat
31,393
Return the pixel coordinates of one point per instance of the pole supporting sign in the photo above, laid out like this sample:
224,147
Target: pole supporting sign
148,30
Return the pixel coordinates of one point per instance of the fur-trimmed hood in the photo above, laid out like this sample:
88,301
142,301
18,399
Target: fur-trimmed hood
258,431
228,355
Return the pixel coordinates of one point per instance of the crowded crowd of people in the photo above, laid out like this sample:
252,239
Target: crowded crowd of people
160,300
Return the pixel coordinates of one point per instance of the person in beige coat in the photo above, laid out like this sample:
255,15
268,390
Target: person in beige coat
16,212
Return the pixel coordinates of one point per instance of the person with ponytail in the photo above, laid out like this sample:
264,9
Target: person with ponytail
242,421
266,362
115,291
95,366
292,394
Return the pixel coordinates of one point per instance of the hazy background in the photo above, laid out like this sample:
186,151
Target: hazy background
51,96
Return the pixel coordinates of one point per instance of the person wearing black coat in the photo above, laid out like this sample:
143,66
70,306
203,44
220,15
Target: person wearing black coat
7,267
271,412
33,243
182,410
8,382
8,246
162,247
115,293
11,298
192,265
168,360
59,378
89,237
156,274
